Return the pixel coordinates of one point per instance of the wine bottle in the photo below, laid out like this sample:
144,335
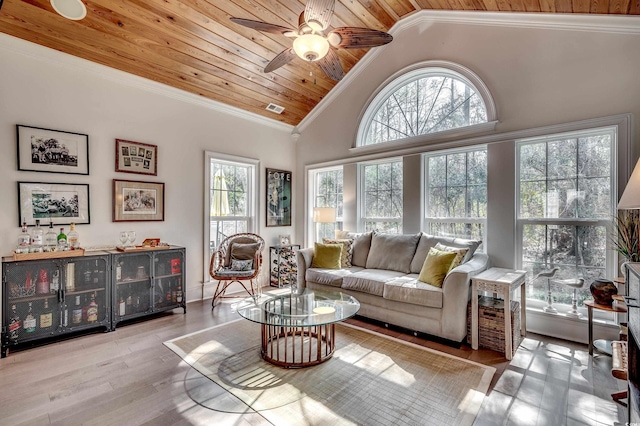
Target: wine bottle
36,238
24,240
14,325
73,238
62,240
76,314
46,316
179,292
55,281
119,272
121,307
92,310
30,321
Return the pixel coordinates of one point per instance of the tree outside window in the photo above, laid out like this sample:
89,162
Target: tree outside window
328,193
381,197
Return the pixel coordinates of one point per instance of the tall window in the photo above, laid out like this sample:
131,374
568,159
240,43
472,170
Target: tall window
423,101
456,193
231,197
381,196
565,204
328,193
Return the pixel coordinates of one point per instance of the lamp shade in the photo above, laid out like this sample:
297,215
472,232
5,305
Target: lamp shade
311,47
631,196
324,214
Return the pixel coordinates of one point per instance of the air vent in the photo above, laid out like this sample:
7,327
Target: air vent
275,108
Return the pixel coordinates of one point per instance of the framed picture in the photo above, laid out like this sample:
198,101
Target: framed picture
60,203
284,240
136,157
137,201
52,151
278,197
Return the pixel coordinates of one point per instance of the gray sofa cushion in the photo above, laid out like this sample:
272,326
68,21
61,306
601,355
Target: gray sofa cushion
369,280
408,289
332,277
393,252
359,248
428,241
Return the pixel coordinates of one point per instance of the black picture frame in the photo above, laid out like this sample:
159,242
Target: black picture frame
58,203
278,198
52,151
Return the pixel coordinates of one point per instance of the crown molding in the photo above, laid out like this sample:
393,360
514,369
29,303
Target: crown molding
42,53
613,24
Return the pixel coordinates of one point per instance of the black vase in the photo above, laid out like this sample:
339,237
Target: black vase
603,291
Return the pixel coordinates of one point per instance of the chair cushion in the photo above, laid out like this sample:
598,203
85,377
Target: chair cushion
369,280
231,273
436,266
347,249
392,252
244,251
332,277
327,256
409,290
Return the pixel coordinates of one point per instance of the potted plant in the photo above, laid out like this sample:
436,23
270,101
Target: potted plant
626,236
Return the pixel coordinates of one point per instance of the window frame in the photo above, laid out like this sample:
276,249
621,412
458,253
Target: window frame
253,198
313,175
361,199
411,73
611,259
426,220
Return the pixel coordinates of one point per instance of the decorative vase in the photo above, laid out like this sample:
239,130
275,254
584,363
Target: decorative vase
603,291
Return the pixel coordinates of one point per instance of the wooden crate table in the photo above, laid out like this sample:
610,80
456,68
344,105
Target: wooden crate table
499,281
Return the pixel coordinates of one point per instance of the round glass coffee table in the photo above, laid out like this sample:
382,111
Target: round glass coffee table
298,328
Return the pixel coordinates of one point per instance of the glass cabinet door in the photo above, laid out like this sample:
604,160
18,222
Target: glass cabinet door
132,278
32,308
86,299
168,287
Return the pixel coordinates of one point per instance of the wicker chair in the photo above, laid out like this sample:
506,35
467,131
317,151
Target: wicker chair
220,266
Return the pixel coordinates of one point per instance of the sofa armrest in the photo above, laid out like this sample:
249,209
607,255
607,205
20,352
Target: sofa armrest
304,258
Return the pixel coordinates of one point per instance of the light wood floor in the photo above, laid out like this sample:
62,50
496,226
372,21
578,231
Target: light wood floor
127,377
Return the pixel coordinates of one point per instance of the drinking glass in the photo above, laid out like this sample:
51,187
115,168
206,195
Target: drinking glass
132,238
124,237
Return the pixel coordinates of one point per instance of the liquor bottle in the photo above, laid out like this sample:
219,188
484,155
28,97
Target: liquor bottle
36,238
46,317
95,276
62,240
121,307
30,321
14,325
28,285
129,304
65,317
92,310
24,240
42,284
136,306
55,281
50,239
71,276
119,272
76,314
168,297
73,238
179,292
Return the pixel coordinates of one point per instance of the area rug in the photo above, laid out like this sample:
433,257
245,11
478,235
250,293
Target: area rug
371,379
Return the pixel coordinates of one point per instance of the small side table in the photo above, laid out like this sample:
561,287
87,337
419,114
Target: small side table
500,281
602,345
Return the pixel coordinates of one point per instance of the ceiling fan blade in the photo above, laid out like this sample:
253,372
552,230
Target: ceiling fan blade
283,58
262,26
331,65
320,11
358,38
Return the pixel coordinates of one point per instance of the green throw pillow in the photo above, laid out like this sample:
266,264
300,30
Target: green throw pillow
327,256
436,266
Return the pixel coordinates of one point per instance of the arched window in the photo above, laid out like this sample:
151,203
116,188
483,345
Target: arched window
428,98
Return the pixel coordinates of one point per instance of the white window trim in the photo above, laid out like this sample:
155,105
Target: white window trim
252,201
425,186
310,231
360,194
406,75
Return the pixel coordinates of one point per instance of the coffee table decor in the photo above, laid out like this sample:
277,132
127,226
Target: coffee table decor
298,327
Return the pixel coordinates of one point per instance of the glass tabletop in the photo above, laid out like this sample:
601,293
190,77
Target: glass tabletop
306,308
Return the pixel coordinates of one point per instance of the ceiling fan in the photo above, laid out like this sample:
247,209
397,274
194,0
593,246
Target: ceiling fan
310,42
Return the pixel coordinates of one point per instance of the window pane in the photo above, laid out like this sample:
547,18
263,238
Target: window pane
382,195
472,231
328,193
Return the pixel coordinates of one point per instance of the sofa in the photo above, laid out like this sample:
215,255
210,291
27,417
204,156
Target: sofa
382,274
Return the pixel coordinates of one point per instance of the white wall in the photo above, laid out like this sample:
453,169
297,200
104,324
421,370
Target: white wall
43,88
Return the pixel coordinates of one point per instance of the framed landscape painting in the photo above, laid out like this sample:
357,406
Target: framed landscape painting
278,197
136,157
137,201
60,203
53,151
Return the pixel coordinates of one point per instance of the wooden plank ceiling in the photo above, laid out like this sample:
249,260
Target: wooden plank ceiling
192,44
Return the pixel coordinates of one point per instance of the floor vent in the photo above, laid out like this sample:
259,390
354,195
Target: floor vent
275,108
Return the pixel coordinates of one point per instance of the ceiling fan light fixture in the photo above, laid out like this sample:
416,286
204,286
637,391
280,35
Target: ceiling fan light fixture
311,47
74,10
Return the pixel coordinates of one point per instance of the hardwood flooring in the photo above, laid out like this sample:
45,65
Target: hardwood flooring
127,377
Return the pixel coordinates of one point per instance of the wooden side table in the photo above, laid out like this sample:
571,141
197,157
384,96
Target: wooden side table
602,345
500,281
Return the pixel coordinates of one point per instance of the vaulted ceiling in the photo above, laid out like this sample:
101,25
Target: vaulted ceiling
192,45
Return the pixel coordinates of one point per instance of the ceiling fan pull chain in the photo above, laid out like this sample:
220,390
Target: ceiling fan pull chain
314,78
